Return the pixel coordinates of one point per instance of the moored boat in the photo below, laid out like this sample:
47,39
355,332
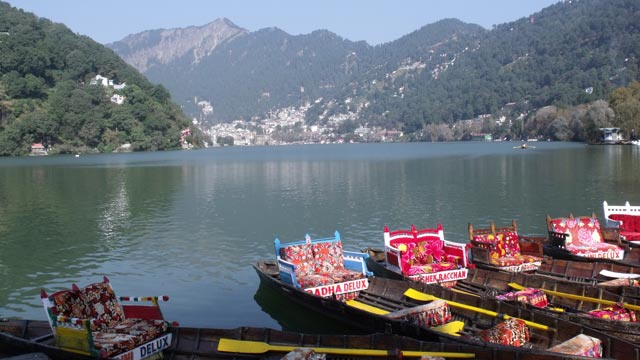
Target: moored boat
421,255
584,304
397,307
584,239
26,336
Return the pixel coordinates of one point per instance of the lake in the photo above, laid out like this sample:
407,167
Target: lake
189,224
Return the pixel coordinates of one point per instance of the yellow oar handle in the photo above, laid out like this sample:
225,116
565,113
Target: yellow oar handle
417,295
257,347
578,297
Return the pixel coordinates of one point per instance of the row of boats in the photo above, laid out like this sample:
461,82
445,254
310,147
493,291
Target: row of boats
501,296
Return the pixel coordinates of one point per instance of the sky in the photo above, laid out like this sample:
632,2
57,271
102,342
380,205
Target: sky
374,21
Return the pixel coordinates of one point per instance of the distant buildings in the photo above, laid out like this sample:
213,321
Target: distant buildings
37,149
108,83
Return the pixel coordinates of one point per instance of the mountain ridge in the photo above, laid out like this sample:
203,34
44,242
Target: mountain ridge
443,72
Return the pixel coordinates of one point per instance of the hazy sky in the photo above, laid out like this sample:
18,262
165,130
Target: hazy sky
375,21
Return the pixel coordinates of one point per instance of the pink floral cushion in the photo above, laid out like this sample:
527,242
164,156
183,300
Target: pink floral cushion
328,256
581,231
615,312
511,243
301,256
581,345
533,296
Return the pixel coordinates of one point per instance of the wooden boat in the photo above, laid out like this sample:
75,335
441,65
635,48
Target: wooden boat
583,239
591,272
386,305
22,336
583,304
422,255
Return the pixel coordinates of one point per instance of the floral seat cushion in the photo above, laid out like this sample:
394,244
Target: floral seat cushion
513,332
425,257
67,303
144,330
302,257
341,275
432,314
314,280
580,345
327,256
113,343
430,268
329,260
533,296
583,236
100,303
615,312
504,249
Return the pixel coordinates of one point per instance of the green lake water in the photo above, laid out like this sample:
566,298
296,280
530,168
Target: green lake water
189,224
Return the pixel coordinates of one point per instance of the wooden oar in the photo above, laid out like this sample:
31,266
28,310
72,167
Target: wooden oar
417,295
257,347
579,297
451,328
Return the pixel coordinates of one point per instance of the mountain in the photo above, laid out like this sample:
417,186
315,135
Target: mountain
148,48
71,94
569,53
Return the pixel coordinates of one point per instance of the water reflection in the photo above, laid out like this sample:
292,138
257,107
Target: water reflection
292,316
190,224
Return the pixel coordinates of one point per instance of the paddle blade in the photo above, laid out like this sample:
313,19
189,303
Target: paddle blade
417,295
451,328
242,346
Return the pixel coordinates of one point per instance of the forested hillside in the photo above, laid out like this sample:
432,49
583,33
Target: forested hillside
569,53
573,52
49,93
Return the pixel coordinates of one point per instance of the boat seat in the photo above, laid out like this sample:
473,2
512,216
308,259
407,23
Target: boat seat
582,236
512,332
425,255
626,218
580,345
322,267
501,248
91,320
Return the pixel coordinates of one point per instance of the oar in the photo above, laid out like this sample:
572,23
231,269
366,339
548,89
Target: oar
451,328
417,295
257,347
578,297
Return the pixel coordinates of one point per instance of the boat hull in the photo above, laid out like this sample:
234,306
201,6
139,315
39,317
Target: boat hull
388,292
485,282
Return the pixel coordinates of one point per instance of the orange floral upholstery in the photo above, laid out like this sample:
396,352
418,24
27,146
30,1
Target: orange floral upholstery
318,263
513,332
302,257
328,256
